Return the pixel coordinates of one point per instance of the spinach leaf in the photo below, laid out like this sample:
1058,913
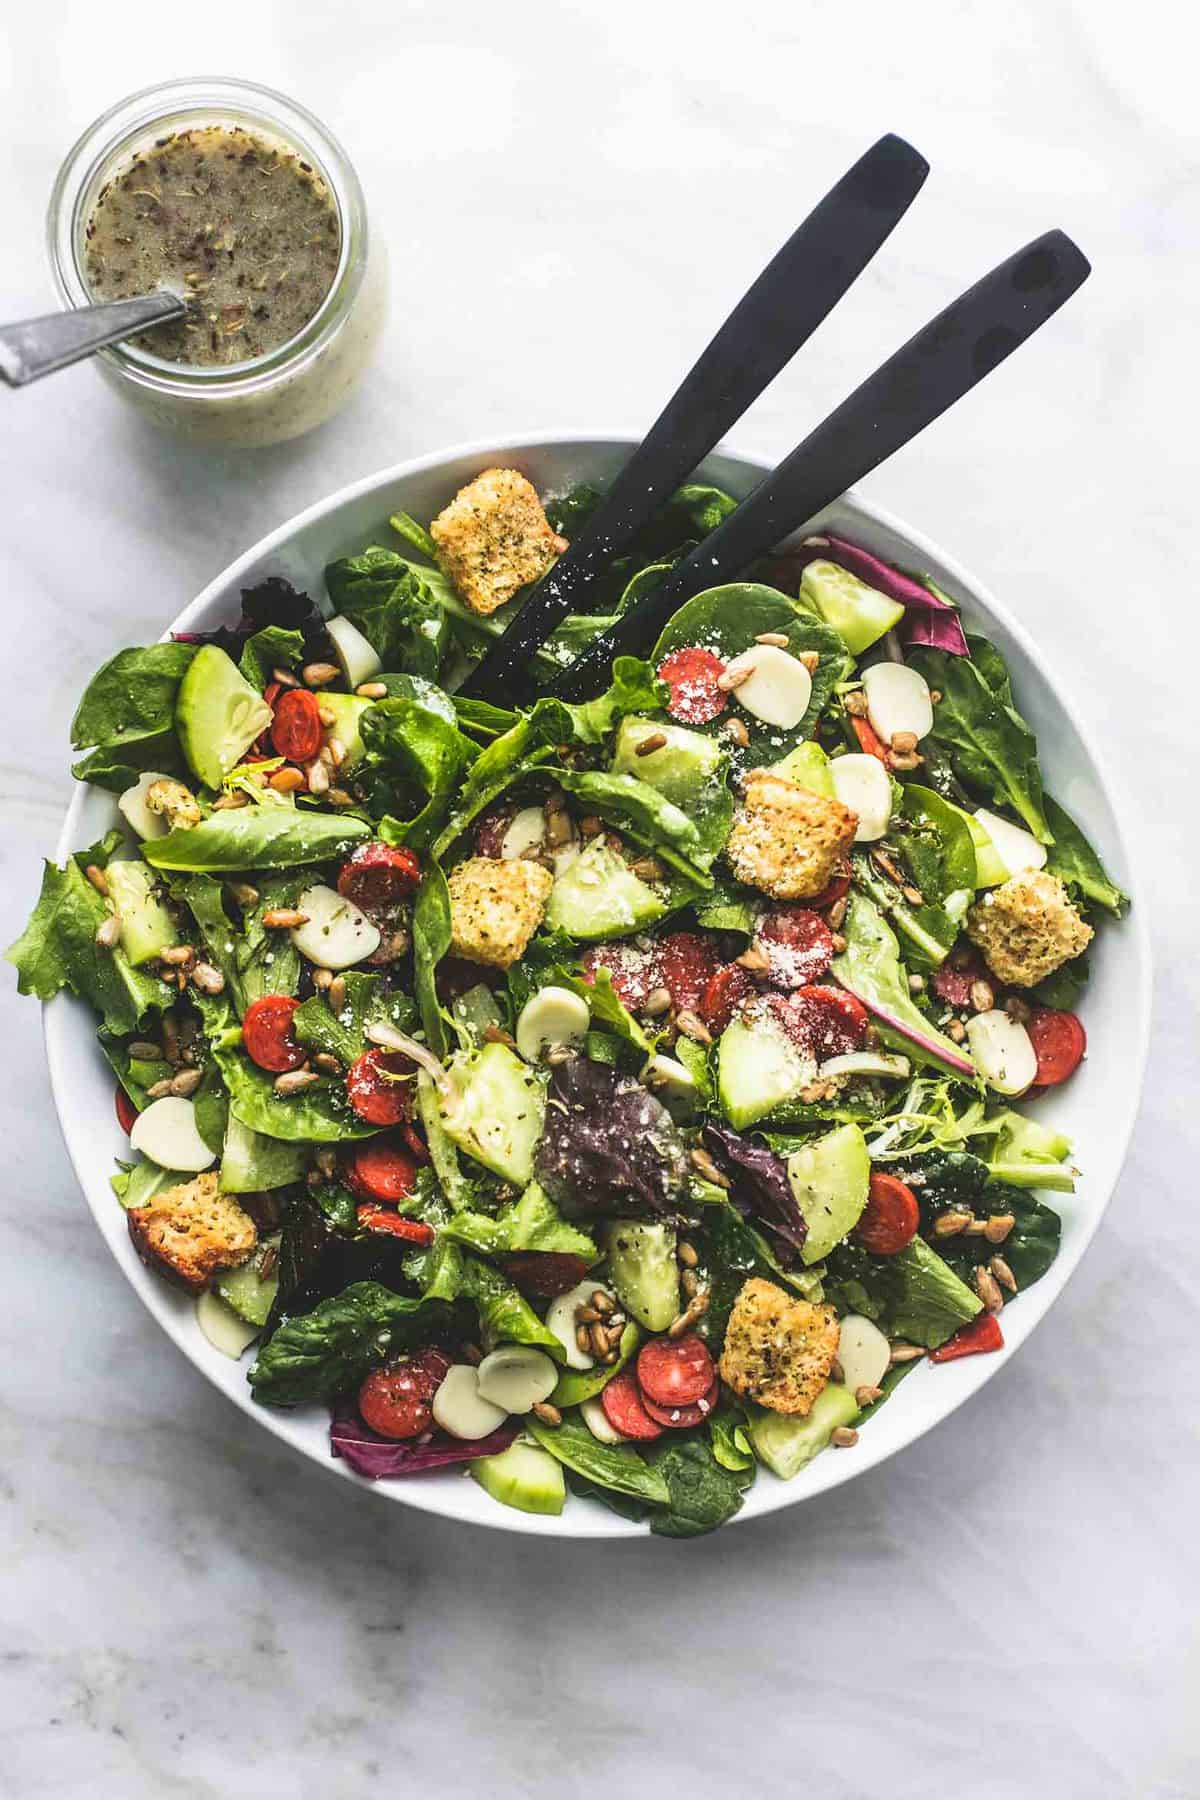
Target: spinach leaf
870,968
320,1114
915,1295
481,718
270,648
204,897
431,940
731,1251
402,608
1065,988
649,818
727,1435
321,1353
1030,1247
991,748
531,1223
930,930
703,508
727,907
634,688
128,714
343,1034
569,511
268,962
728,619
703,1493
1074,861
58,949
413,738
935,847
257,837
503,761
211,1108
617,1467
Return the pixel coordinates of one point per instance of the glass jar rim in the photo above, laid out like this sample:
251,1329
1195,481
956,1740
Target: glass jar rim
189,101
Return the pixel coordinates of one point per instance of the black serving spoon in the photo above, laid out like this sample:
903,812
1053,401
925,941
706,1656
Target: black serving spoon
944,361
797,289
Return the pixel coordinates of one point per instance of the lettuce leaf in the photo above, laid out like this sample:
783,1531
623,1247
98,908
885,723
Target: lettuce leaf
412,739
870,968
401,607
343,1034
58,949
324,1352
257,837
531,1223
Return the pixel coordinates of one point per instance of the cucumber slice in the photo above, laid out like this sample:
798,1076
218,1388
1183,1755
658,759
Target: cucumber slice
356,655
252,1163
680,769
758,1069
808,766
785,1444
830,1178
245,1290
497,1112
643,1271
218,715
524,1477
347,710
147,928
861,614
600,897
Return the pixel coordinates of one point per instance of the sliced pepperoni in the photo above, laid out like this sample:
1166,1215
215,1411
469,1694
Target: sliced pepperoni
634,973
624,1408
397,1401
456,976
836,889
379,1087
675,1371
981,1335
688,962
692,677
415,1142
272,692
1059,1043
890,1219
379,876
798,943
723,996
822,1021
296,728
127,1112
379,1170
267,1034
679,1418
390,1224
544,1273
952,982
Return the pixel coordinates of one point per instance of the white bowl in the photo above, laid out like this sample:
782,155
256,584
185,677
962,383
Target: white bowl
1097,1108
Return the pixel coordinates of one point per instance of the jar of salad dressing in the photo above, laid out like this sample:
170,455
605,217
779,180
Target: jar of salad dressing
242,203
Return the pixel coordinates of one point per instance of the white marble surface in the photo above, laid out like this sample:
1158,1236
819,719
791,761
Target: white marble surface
573,194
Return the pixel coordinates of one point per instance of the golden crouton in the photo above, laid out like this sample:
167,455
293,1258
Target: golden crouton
787,840
1028,928
778,1350
493,538
495,908
174,802
190,1232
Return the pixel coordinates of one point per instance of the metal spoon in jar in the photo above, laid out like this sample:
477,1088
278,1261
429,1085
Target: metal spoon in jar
35,347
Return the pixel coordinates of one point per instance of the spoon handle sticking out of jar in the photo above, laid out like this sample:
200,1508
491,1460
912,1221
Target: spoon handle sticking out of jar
36,347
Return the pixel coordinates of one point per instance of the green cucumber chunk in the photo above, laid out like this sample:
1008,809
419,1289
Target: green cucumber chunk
785,1443
598,896
680,769
523,1477
643,1272
498,1111
347,710
758,1069
861,615
147,928
830,1177
218,715
808,766
244,1289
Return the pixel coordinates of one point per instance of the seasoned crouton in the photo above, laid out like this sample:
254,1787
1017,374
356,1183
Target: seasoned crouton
1028,928
786,840
190,1232
174,802
495,908
493,538
778,1350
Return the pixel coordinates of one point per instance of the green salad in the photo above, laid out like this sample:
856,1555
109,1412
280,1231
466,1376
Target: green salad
612,1099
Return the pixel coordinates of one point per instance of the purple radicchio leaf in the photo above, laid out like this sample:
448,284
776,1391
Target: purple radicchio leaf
609,1149
761,1188
930,618
270,602
378,1458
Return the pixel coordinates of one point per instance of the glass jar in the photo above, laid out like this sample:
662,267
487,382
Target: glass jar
287,390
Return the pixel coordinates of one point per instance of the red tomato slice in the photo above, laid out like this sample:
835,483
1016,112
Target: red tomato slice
127,1112
679,1418
267,1034
823,1021
390,1224
296,729
374,1091
982,1334
688,963
692,676
621,1399
379,1170
378,876
634,973
869,741
799,944
544,1273
1059,1043
724,995
675,1371
891,1217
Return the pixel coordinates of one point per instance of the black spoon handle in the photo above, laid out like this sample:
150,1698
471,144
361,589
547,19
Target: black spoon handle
796,290
935,368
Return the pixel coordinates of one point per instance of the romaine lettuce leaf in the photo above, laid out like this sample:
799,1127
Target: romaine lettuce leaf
58,949
257,837
870,968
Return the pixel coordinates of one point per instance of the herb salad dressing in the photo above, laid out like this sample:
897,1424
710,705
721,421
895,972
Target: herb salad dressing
241,226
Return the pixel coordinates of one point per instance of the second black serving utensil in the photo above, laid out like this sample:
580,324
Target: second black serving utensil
798,288
944,361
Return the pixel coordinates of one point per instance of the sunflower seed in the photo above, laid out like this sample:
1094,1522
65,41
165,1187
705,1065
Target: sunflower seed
284,918
843,1437
778,638
243,893
186,1082
327,1064
549,1415
319,674
208,979
657,1002
295,1081
98,878
372,690
704,1165
905,1353
988,1289
998,1226
693,1026
1000,1271
654,740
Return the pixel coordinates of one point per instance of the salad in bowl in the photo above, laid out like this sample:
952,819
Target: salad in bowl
613,1101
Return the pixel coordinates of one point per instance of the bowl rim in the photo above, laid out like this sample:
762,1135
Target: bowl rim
593,1522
